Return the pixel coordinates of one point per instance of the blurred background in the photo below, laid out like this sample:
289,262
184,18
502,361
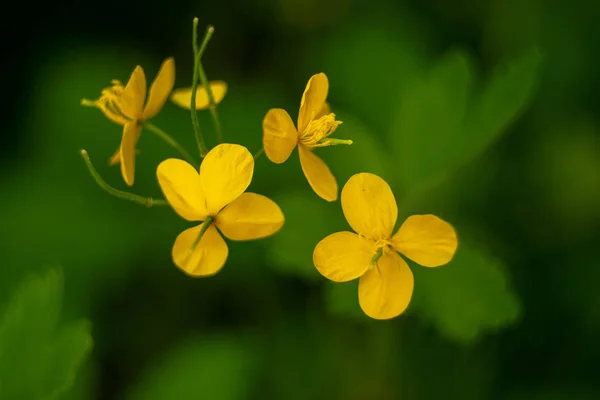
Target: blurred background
484,113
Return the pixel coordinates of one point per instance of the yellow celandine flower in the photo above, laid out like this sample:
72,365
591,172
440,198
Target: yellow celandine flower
371,254
183,97
216,195
316,123
127,106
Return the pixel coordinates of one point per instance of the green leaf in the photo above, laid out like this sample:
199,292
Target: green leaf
429,122
506,95
440,125
342,300
308,220
468,297
39,358
366,154
217,368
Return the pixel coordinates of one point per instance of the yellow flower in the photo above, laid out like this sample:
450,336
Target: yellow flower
183,97
386,282
215,196
315,123
127,105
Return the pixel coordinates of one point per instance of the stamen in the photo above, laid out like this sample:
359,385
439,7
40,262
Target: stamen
317,132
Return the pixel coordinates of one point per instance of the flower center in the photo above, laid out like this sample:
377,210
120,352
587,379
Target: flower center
380,247
318,130
110,100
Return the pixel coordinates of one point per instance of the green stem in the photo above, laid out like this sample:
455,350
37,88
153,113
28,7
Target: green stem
170,141
259,153
211,101
203,229
144,201
197,55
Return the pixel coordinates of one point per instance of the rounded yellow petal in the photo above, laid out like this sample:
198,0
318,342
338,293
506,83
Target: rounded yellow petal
318,174
131,135
207,258
279,135
426,239
369,206
183,97
134,95
313,100
343,256
180,183
160,89
225,174
385,291
250,216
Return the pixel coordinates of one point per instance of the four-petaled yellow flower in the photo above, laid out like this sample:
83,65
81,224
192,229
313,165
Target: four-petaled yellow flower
386,282
127,106
183,97
216,196
315,123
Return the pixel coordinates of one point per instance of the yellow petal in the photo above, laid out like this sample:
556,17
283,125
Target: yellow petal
225,174
326,109
250,216
279,135
313,100
134,95
318,174
369,206
116,158
160,89
207,258
131,135
343,256
426,239
385,291
183,97
180,183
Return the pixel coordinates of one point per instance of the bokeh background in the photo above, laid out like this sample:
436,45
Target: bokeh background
482,112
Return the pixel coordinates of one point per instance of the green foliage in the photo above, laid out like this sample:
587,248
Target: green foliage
440,125
39,357
218,368
469,296
342,300
308,220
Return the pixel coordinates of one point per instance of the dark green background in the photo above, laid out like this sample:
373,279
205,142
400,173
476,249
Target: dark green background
514,316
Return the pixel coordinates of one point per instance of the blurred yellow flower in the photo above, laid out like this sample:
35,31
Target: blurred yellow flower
183,97
316,123
216,195
371,254
127,105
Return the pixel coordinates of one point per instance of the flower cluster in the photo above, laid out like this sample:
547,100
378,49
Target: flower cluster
214,195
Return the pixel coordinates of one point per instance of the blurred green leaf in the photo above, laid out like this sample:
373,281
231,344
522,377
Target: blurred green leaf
429,120
506,95
308,220
375,57
216,368
38,358
342,300
366,154
440,126
468,297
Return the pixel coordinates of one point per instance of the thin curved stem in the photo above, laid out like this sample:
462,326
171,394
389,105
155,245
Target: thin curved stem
194,113
170,141
259,153
144,201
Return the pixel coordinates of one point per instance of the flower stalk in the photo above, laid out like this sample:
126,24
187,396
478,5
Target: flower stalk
144,201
